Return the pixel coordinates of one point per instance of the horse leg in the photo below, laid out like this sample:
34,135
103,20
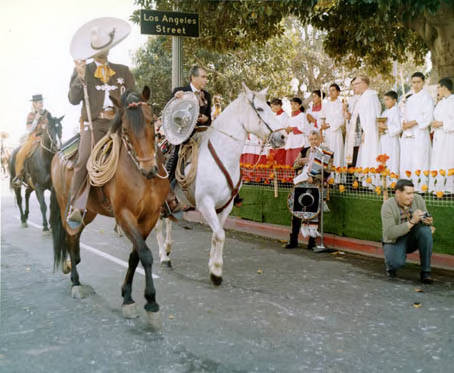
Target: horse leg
77,290
129,308
28,192
217,242
164,246
23,219
43,207
129,224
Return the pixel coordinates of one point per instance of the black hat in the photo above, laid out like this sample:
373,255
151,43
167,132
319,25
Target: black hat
37,98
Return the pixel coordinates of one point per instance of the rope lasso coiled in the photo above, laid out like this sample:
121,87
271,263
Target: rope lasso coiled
192,148
103,161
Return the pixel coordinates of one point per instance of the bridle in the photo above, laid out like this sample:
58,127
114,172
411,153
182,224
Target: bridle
53,145
135,158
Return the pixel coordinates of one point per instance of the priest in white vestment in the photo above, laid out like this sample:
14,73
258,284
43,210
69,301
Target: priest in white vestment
390,132
415,147
442,159
314,111
332,111
367,110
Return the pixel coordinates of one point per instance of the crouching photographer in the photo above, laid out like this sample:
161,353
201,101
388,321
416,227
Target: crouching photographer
406,228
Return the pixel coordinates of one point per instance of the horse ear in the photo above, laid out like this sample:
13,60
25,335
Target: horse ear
245,88
264,91
115,102
146,93
61,118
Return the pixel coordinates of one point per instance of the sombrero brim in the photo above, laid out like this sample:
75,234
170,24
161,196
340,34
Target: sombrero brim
80,47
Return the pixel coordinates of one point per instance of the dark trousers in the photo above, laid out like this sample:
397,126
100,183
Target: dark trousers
296,226
79,180
419,238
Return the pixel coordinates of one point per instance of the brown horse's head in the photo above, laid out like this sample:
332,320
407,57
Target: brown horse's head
134,120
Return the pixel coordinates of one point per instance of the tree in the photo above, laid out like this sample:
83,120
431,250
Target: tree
358,32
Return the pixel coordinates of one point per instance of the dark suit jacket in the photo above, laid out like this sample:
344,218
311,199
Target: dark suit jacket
205,109
122,80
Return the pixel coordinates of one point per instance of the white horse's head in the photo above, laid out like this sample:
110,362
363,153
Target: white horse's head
260,120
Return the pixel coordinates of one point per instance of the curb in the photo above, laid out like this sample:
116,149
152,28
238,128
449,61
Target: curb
352,245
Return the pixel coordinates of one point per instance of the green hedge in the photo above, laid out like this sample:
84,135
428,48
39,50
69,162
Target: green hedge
350,217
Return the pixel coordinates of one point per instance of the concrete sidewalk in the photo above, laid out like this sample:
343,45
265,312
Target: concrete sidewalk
280,232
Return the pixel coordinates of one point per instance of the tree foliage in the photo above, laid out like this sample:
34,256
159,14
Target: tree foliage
358,32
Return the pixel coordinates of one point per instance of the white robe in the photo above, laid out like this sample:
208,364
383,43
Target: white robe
334,114
295,141
390,140
415,145
350,131
367,110
316,115
443,146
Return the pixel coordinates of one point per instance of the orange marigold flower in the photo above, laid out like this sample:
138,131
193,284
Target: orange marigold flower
359,170
424,188
382,158
272,175
426,172
341,188
366,170
408,173
442,172
393,185
369,180
266,181
378,190
380,169
355,185
372,170
451,172
418,172
330,181
351,170
338,169
434,173
440,194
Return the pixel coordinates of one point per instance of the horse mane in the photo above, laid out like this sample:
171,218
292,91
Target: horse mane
134,113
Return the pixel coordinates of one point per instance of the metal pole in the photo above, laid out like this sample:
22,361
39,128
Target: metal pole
177,61
321,247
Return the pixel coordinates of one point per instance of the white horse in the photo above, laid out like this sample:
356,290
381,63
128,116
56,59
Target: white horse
249,113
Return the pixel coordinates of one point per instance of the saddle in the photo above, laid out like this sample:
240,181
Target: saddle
69,151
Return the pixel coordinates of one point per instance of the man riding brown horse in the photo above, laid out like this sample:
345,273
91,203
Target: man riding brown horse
37,121
102,79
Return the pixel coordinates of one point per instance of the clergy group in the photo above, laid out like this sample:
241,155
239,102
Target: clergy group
415,131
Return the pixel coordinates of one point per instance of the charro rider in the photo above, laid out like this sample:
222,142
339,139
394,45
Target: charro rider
102,79
197,82
36,122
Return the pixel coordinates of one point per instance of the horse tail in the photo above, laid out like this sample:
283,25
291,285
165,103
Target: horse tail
12,167
58,231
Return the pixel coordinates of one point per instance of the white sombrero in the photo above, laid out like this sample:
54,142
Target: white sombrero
98,35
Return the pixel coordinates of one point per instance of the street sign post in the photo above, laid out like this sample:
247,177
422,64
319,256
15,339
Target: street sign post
175,24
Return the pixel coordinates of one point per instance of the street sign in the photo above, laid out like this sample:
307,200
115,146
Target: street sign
155,22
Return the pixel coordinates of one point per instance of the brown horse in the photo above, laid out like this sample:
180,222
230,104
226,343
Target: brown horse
133,196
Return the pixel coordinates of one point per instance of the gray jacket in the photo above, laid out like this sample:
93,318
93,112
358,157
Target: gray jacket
390,218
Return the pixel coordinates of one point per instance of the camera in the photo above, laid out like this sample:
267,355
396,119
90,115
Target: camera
426,215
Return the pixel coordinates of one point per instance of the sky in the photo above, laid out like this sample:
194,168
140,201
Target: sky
34,41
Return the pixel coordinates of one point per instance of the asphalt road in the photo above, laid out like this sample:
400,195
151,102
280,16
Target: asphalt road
276,311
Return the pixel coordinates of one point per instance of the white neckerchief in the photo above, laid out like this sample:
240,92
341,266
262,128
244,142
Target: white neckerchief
194,89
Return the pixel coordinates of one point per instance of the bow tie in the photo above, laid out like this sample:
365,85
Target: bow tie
103,73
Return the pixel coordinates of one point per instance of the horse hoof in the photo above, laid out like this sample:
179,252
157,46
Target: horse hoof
81,292
66,266
166,262
24,225
216,280
154,320
129,311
